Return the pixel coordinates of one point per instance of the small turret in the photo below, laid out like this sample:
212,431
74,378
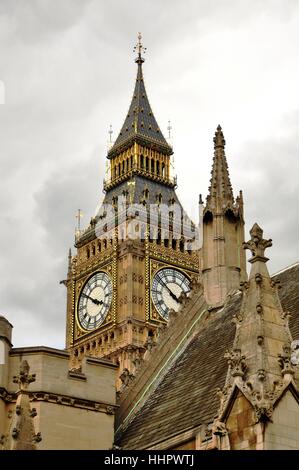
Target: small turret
224,262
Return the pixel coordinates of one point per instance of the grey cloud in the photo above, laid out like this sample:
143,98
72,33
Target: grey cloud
268,172
57,201
38,19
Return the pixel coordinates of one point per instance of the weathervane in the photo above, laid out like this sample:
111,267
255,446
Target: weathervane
169,127
139,48
110,132
78,217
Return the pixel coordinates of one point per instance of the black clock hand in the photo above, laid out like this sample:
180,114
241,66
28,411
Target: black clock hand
101,302
95,301
170,291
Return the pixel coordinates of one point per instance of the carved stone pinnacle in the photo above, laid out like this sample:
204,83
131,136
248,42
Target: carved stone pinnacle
219,140
24,378
257,244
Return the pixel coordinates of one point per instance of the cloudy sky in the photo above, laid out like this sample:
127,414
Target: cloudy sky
68,71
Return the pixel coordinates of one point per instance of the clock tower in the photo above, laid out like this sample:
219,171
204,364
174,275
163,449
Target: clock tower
138,257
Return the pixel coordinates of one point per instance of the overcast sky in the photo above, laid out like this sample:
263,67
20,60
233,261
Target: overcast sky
68,70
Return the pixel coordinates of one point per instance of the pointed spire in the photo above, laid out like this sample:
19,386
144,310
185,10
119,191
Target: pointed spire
219,140
260,361
140,123
220,189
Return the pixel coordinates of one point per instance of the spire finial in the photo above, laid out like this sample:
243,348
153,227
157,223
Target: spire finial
23,379
78,217
220,188
257,244
139,48
219,140
110,132
169,128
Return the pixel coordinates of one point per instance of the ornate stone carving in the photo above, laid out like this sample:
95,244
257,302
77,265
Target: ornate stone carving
110,410
37,437
137,361
219,428
24,378
257,244
126,378
284,361
295,353
149,344
237,362
263,409
33,413
15,433
244,285
259,308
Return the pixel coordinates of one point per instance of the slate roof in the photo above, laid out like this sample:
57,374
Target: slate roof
140,184
289,295
186,397
135,196
140,121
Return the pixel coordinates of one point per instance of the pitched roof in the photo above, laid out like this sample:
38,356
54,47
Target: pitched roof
140,122
289,295
186,396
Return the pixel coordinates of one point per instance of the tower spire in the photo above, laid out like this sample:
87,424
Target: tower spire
224,262
220,190
140,124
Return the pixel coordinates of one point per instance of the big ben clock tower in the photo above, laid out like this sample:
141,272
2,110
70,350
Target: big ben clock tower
136,259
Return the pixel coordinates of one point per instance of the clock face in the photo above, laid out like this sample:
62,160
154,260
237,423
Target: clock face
167,286
94,301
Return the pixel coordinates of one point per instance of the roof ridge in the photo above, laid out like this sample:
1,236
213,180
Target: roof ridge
285,269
